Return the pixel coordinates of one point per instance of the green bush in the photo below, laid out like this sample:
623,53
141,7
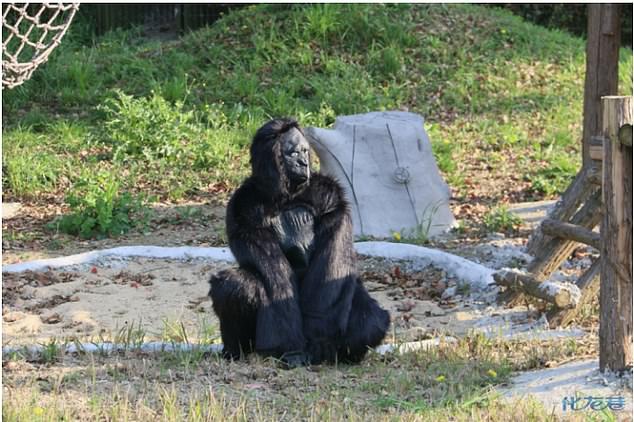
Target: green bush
150,128
100,209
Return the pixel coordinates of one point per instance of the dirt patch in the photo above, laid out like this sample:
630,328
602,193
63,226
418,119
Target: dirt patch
108,296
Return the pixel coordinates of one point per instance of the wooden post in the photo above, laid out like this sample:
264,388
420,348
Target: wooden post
615,331
602,61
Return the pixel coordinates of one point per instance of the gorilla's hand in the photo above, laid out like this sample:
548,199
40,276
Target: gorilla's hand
321,350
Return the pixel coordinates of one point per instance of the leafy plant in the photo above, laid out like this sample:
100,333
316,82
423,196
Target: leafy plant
500,219
99,208
556,177
150,127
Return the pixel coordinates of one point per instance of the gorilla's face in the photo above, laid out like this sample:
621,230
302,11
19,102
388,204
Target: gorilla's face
296,157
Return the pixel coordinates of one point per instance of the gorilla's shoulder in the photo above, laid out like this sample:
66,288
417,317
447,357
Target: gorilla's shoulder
327,192
325,182
245,200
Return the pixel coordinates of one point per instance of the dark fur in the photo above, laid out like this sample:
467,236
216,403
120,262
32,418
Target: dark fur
265,306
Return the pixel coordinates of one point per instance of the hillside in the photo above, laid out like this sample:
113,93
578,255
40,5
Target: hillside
502,98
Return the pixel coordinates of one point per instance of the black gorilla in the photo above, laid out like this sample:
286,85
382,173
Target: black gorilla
296,295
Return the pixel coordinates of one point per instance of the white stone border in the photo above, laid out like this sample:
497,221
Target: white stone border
161,346
478,276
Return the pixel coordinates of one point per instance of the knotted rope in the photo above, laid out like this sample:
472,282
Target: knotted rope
30,32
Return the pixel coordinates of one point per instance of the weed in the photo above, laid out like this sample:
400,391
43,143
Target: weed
556,176
419,234
130,336
98,208
51,351
500,219
174,331
28,172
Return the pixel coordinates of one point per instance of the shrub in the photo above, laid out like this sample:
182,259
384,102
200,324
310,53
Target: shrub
99,209
150,128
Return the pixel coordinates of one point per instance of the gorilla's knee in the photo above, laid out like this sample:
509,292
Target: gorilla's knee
236,297
367,326
236,288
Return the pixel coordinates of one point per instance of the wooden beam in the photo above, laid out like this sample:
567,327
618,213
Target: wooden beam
576,194
588,283
569,231
615,330
556,251
561,295
596,148
602,55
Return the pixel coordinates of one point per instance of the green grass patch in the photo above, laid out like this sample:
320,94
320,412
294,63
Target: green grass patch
455,382
500,219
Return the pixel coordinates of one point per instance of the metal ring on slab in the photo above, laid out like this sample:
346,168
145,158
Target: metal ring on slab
401,175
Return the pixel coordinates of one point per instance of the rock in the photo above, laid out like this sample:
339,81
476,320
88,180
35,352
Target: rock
385,163
13,316
53,318
10,209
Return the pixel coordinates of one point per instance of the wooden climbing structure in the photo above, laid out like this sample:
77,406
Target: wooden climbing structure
600,195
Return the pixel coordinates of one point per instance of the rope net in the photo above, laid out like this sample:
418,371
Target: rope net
30,32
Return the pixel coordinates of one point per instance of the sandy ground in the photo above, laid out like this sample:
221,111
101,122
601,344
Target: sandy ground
100,299
158,296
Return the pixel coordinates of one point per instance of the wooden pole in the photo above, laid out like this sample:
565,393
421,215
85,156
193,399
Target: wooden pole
615,331
602,60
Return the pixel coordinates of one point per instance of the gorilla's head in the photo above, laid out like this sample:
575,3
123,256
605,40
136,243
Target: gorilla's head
280,157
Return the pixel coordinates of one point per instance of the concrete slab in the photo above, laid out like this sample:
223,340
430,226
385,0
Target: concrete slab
385,164
580,379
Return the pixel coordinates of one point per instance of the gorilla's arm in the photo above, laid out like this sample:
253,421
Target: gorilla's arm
329,284
279,321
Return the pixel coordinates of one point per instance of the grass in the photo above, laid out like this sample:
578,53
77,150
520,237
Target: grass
502,97
452,382
500,219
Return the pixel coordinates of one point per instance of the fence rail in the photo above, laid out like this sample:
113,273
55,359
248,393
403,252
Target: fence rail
179,17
